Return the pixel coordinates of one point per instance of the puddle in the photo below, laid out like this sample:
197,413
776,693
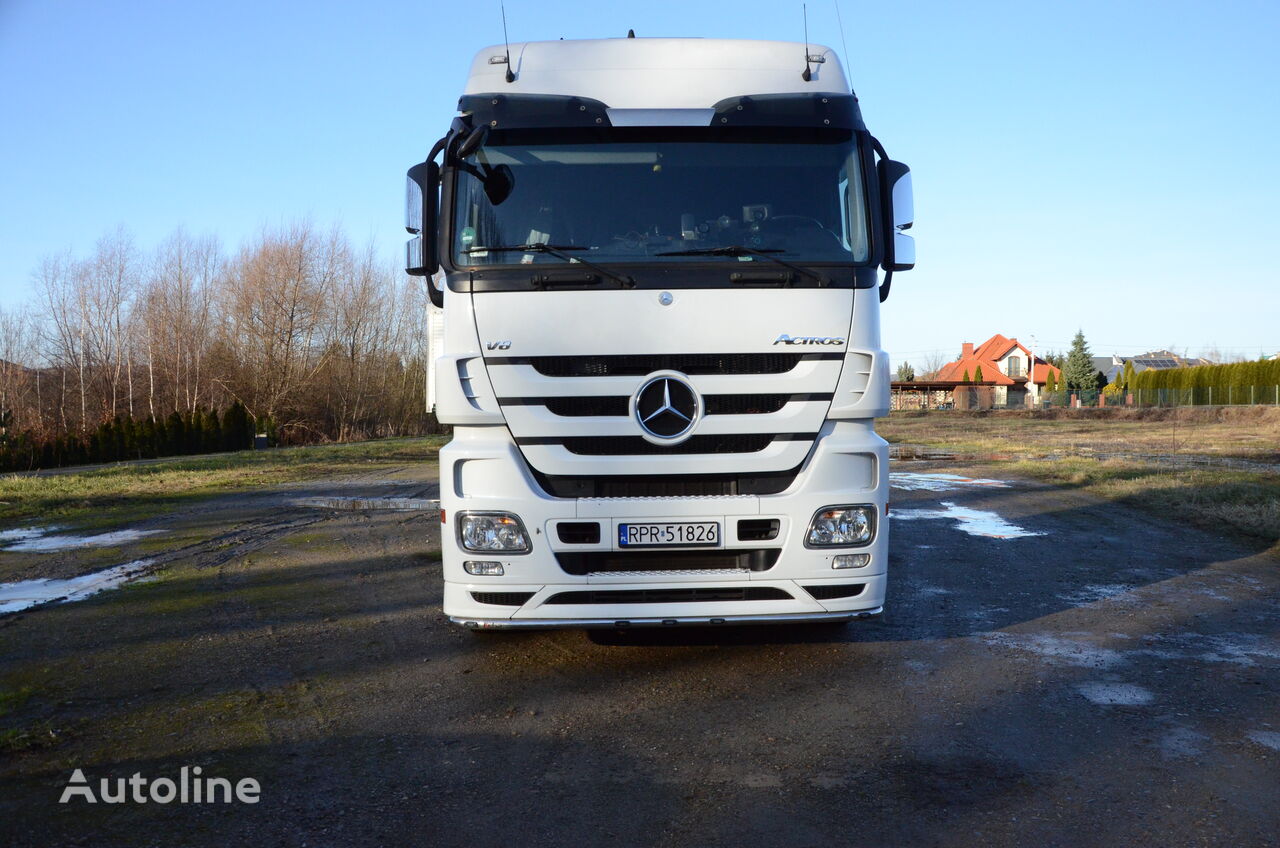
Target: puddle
15,597
1115,694
37,539
404,504
910,481
975,522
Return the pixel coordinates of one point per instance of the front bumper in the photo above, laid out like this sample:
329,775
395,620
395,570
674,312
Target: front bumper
677,621
482,469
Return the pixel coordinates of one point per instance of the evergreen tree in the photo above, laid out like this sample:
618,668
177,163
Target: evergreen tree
977,375
966,375
1128,375
236,432
212,432
177,434
1078,372
1050,381
906,373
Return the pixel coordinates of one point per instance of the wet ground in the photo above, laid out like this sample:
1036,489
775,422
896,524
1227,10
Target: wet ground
1097,677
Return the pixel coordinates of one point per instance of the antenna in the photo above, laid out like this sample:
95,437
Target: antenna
807,75
844,44
511,77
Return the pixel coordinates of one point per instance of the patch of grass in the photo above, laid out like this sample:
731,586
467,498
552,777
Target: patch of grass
1117,455
111,494
1251,433
11,699
16,739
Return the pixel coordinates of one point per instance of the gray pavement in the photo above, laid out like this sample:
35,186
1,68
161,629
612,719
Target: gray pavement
1092,676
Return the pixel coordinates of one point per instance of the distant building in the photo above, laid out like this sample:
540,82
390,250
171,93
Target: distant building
1156,359
1014,373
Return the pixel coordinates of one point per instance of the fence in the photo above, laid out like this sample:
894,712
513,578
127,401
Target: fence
1202,396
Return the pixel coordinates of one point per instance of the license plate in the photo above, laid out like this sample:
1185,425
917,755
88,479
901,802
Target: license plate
669,533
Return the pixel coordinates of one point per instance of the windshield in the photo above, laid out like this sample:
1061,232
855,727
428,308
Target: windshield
796,195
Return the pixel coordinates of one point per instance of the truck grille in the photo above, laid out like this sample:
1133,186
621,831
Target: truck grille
611,406
686,363
636,446
671,596
596,562
662,486
571,414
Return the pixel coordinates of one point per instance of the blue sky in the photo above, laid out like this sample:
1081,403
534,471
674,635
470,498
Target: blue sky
1104,165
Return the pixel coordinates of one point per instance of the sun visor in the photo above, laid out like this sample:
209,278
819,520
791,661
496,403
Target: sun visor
528,111
821,109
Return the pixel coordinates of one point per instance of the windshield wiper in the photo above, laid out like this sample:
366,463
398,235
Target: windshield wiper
558,250
740,250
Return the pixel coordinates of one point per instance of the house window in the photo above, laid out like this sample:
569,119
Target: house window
1014,366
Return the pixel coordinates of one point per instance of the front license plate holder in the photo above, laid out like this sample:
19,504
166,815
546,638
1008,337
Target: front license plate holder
669,534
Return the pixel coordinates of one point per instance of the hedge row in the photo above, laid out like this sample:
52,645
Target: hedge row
123,438
1220,378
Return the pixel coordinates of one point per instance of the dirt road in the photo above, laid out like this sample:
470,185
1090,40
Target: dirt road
1052,670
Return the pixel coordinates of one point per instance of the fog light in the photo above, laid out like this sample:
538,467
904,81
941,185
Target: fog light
483,568
491,531
851,561
841,527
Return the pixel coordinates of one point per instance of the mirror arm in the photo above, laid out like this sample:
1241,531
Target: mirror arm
884,287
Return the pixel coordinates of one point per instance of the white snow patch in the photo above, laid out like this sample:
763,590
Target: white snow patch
1057,649
1182,742
40,542
975,522
22,533
1091,593
1115,694
1269,738
401,504
18,596
911,481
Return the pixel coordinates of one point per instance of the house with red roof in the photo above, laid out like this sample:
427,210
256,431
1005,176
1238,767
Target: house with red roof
1015,375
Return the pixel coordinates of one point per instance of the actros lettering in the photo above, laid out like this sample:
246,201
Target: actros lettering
808,340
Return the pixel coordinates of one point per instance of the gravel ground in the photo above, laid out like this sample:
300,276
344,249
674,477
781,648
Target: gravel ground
1100,678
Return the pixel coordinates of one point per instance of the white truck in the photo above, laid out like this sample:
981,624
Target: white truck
657,264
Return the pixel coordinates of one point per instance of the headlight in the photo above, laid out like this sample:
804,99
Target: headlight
492,531
841,527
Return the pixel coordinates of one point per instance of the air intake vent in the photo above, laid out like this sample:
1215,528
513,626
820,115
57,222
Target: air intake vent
827,593
587,406
686,363
757,529
671,596
502,599
586,562
579,532
636,446
675,486
744,404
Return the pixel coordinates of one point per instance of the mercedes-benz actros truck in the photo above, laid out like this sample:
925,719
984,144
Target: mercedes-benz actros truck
657,269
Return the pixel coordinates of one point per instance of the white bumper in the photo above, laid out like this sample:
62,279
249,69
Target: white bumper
482,469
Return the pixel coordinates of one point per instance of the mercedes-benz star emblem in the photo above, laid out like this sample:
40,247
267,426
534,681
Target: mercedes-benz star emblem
666,407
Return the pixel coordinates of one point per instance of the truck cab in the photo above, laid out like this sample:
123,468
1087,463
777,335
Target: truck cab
657,265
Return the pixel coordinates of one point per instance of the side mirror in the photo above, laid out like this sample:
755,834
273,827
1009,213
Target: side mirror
422,203
472,142
898,215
